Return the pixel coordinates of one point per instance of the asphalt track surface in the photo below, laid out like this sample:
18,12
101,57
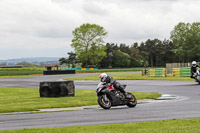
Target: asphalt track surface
186,104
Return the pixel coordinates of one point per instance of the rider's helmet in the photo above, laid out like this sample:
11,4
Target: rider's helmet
194,63
103,77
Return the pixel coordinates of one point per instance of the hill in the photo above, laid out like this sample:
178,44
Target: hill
34,60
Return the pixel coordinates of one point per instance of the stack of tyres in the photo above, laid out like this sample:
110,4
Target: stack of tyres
57,88
160,72
185,71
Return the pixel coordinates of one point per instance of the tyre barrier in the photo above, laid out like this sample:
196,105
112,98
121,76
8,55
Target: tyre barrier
156,72
181,72
176,72
57,88
54,72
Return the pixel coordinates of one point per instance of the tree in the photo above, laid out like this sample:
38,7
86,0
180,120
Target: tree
150,45
186,38
88,43
124,48
135,56
107,61
169,55
72,59
144,54
193,42
121,59
179,37
63,61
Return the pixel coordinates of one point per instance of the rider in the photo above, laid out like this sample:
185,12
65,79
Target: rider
105,78
194,68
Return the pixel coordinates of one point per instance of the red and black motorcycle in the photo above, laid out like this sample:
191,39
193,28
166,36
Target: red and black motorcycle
109,96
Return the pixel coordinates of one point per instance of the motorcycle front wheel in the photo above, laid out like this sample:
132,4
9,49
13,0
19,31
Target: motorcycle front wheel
132,102
104,101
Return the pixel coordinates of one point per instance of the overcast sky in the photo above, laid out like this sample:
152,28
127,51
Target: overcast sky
43,28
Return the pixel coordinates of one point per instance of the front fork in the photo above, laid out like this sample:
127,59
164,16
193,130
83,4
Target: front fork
105,97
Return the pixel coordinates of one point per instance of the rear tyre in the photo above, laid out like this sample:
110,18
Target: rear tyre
106,104
132,102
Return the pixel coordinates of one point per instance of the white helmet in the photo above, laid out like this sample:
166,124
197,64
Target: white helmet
194,63
103,77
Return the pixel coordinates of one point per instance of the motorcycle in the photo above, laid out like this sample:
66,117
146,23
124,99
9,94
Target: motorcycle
109,96
197,76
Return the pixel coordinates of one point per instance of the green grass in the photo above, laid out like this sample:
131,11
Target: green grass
35,70
23,72
133,77
20,99
18,76
165,126
110,70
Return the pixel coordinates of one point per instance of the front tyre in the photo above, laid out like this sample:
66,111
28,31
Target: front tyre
132,102
104,102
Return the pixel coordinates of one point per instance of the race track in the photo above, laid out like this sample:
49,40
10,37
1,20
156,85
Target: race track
186,104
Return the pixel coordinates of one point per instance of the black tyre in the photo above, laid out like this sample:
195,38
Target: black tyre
106,104
132,102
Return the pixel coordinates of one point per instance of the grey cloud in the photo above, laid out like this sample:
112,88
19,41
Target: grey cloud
96,8
40,24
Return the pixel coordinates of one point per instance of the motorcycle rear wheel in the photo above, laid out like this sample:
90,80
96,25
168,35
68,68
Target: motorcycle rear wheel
132,102
104,104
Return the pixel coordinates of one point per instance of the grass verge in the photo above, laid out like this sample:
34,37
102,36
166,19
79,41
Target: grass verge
165,126
133,77
21,100
24,72
110,70
18,76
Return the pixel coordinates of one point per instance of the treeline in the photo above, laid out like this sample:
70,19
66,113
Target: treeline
182,47
152,53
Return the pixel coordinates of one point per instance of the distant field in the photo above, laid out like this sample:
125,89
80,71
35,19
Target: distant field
20,71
